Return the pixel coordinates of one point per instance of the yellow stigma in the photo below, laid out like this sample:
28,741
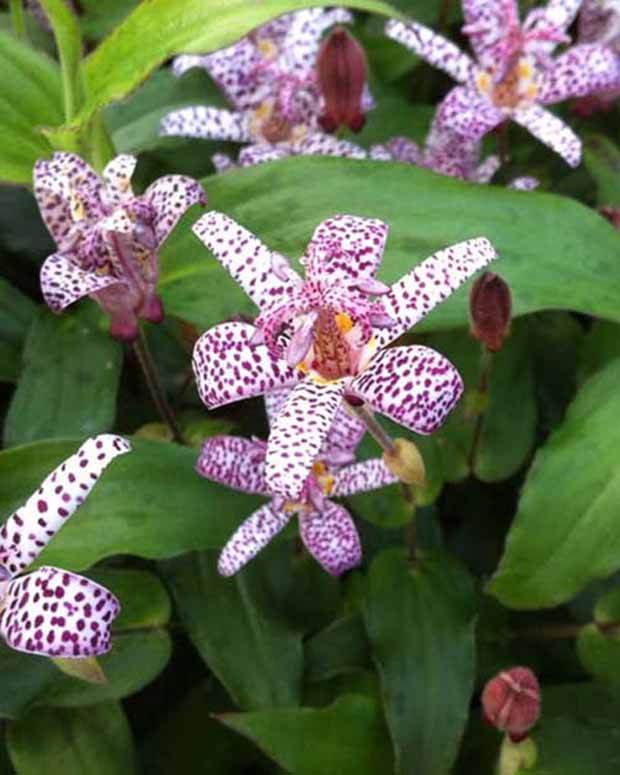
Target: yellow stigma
267,48
344,322
76,206
483,81
325,479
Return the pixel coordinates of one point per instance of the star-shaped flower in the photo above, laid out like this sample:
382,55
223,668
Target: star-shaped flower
326,336
326,528
270,78
513,75
107,237
53,612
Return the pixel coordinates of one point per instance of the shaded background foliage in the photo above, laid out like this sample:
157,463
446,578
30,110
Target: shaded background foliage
284,669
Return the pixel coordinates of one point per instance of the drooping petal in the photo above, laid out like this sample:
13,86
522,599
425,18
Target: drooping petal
468,113
433,48
170,197
485,171
417,293
63,282
415,386
228,368
345,248
117,176
331,538
551,131
55,613
486,22
362,477
234,461
28,530
260,153
302,41
247,259
580,71
319,144
298,434
207,123
250,537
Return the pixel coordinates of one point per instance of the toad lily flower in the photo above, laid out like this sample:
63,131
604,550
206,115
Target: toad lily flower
52,612
326,528
270,77
107,237
514,75
599,23
327,336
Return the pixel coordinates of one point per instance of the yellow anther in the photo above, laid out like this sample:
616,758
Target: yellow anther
76,206
323,477
525,69
344,322
319,468
531,91
483,81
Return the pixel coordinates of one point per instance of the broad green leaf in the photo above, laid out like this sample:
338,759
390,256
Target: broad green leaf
16,315
80,741
255,654
69,379
348,738
598,644
149,503
157,30
30,99
426,212
602,160
98,19
420,622
565,532
601,345
69,45
338,649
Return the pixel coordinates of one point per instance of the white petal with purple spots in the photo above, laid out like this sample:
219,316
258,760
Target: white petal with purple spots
551,131
63,282
362,477
170,197
250,537
234,461
207,123
331,538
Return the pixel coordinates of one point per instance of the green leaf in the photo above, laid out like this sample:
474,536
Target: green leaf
16,315
347,738
426,212
149,503
338,649
565,532
602,160
598,644
155,31
254,653
31,98
80,741
69,379
420,622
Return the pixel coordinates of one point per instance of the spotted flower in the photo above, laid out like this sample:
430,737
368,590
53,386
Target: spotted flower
107,237
49,611
599,23
270,78
326,528
326,336
514,75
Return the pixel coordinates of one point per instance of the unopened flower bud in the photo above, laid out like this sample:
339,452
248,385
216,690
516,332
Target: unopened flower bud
490,306
406,463
511,702
342,72
612,214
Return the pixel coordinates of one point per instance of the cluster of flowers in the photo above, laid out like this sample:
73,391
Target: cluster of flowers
320,348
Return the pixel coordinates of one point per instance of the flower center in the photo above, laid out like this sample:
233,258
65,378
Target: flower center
515,89
331,355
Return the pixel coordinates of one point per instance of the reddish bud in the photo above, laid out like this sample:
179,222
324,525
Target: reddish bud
511,702
342,73
490,305
612,214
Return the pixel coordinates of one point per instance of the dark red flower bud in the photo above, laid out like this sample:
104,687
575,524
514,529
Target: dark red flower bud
342,73
511,702
612,214
490,305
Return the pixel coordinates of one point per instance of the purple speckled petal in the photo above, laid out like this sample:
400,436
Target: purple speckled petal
580,71
207,123
557,13
223,163
170,197
234,461
599,22
524,183
551,131
28,530
331,538
303,38
345,248
185,62
485,171
431,47
362,477
63,282
417,293
117,176
486,22
298,434
247,259
252,155
250,537
344,436
55,613
228,368
232,69
319,144
468,113
415,386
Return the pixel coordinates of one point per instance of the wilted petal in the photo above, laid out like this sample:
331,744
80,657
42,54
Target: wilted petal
580,71
252,155
486,22
117,176
331,538
170,197
228,368
415,386
433,48
28,530
55,613
319,144
468,113
551,131
207,123
362,477
298,434
417,293
63,282
250,537
234,461
247,259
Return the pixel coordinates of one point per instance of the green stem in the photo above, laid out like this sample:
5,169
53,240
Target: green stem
486,361
18,19
564,631
503,143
